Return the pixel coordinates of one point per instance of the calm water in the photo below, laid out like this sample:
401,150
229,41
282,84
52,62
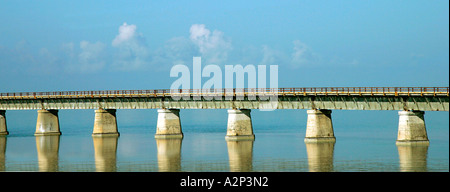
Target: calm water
359,146
204,148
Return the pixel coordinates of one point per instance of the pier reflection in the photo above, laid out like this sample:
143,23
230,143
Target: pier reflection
105,153
2,152
240,155
320,156
413,157
47,150
169,154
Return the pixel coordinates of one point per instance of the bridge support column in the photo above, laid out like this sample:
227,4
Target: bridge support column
169,124
47,123
239,125
3,129
411,128
105,123
319,126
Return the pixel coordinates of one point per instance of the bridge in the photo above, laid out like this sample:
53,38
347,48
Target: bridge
411,102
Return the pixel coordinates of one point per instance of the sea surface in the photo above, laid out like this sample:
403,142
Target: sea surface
276,148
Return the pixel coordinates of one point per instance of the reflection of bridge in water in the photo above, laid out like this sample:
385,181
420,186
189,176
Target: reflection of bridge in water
240,155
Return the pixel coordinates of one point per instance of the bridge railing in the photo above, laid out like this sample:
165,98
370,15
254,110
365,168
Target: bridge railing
397,91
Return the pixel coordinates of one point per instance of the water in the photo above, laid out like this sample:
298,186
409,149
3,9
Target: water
277,148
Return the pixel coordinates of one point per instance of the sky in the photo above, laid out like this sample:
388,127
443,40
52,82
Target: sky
102,45
122,45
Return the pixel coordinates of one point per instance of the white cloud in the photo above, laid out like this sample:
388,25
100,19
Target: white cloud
132,51
24,57
47,57
199,33
177,50
91,57
126,33
300,49
128,51
213,47
68,49
303,55
272,56
86,58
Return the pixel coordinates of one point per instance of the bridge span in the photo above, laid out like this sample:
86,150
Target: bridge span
411,102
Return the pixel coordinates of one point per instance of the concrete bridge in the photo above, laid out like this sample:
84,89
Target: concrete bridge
411,102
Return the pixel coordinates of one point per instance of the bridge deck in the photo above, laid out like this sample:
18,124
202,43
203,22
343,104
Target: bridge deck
311,91
345,98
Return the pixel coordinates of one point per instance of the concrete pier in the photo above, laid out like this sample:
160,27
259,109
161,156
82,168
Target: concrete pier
411,128
3,129
105,122
319,126
169,124
239,125
47,123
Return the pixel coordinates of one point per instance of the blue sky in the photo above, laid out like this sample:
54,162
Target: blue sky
108,45
60,45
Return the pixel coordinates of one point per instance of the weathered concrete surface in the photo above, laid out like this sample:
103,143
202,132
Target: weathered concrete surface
344,102
320,156
169,154
47,149
105,122
47,123
3,128
169,124
239,125
105,153
411,127
319,126
240,155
